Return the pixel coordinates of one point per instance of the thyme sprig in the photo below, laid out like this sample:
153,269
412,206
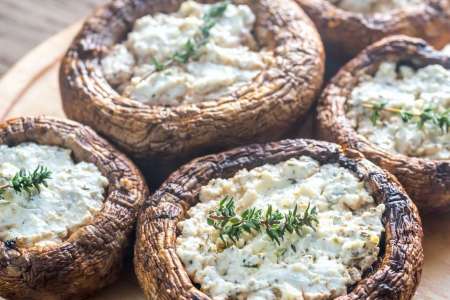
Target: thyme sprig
191,47
27,181
274,223
441,120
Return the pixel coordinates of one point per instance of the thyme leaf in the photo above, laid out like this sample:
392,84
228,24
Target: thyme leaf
158,65
377,108
426,115
274,223
443,121
406,116
27,181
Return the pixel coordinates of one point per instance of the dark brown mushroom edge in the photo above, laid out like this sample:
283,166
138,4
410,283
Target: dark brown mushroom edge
426,180
261,110
90,256
394,274
346,32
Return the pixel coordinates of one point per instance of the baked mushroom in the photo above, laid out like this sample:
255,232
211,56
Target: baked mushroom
391,103
296,219
166,80
68,206
348,26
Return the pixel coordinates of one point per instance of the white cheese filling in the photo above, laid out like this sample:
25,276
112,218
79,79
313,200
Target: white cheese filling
412,91
221,66
320,264
446,49
374,6
75,193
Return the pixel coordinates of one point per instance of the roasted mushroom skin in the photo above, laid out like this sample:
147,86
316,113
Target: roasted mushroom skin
91,257
262,110
346,33
162,275
426,181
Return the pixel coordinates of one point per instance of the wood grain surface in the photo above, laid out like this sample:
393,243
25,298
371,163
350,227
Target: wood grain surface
31,88
26,23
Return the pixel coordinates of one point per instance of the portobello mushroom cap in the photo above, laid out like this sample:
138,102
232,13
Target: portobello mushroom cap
91,256
346,33
161,274
262,109
426,181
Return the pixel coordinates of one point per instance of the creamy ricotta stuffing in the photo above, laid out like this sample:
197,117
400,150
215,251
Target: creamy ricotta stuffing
75,193
375,6
224,64
446,49
320,264
407,89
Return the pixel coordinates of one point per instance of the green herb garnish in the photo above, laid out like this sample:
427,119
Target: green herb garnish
406,116
158,65
377,108
191,47
441,120
275,224
27,181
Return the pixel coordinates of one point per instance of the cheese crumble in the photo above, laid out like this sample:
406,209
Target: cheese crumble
446,50
407,89
75,193
374,6
226,62
320,264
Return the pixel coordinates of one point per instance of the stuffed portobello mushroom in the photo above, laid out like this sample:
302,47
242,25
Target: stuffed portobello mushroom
296,219
68,205
392,103
348,26
171,79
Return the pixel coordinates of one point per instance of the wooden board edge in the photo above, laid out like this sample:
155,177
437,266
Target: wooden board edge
15,83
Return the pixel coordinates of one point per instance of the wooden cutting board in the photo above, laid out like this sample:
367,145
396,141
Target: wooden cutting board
31,88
